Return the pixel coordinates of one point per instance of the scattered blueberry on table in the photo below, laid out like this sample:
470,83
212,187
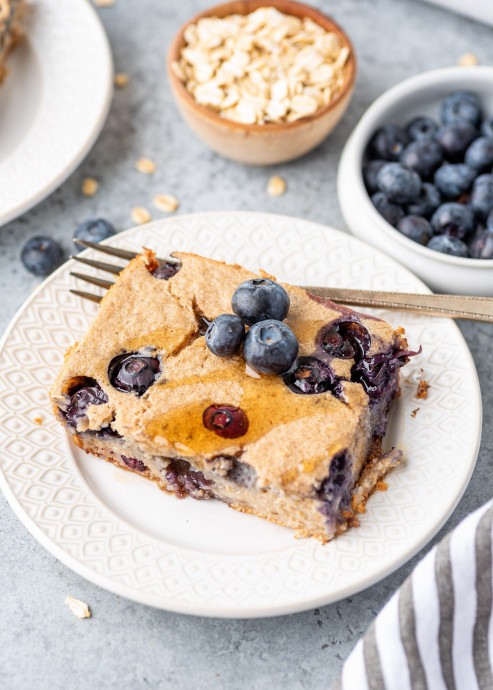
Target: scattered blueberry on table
41,255
94,230
433,180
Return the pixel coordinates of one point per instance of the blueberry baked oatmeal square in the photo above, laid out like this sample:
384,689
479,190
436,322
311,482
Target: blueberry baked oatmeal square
218,383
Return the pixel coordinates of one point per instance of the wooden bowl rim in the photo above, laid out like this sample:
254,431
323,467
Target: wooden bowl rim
297,9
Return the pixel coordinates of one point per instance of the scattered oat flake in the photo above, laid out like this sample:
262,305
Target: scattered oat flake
89,186
104,3
166,202
78,607
415,412
422,390
146,166
276,186
468,60
121,79
140,215
38,420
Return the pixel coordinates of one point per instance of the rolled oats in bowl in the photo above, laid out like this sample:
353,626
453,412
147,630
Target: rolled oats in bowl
263,67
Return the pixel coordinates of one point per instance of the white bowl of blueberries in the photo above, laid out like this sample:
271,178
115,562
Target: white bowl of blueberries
416,178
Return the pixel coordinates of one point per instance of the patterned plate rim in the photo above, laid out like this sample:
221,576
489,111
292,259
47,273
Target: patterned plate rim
304,548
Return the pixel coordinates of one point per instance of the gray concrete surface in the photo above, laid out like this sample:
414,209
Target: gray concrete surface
126,645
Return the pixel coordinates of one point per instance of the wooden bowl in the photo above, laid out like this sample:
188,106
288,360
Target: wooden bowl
269,143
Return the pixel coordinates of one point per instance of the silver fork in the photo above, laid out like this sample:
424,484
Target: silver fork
453,306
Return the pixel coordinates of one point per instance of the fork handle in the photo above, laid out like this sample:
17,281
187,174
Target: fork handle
455,306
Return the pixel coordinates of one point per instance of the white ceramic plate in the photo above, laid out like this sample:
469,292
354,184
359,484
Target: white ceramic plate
119,531
53,102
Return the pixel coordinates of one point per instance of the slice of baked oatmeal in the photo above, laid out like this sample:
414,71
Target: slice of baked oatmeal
302,449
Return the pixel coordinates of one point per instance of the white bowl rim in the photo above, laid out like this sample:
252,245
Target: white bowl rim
359,138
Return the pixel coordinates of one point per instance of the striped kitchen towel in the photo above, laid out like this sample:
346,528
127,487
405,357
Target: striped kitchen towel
436,632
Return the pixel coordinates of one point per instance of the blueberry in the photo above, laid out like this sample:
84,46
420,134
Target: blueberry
226,421
399,184
134,464
479,155
489,221
80,400
416,228
94,230
133,373
391,212
225,335
270,347
183,481
422,128
487,127
345,339
428,201
41,255
455,138
260,299
461,106
482,246
166,270
424,156
377,374
448,245
311,376
481,196
455,220
370,172
454,180
388,142
240,472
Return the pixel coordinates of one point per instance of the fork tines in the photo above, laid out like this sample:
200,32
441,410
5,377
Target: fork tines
106,284
102,266
87,295
109,268
114,251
